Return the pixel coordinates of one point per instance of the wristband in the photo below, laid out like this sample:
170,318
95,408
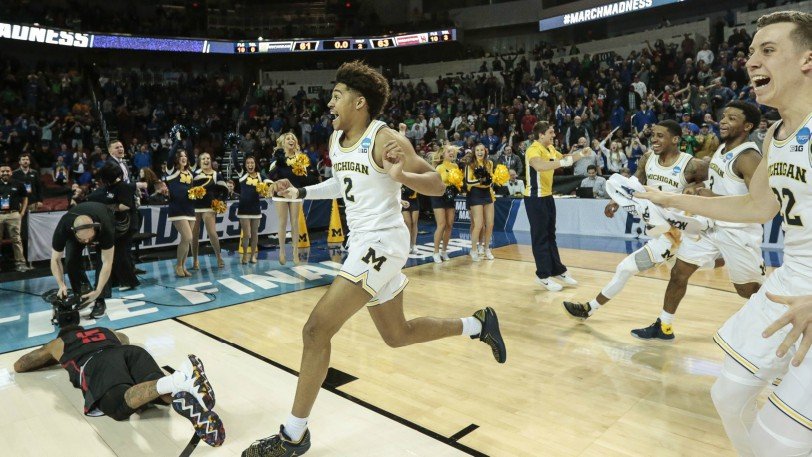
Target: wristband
302,192
566,162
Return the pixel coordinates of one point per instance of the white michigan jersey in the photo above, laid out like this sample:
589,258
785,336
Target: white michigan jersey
667,179
722,180
790,171
371,197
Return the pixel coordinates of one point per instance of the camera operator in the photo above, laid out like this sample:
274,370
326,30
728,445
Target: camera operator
120,197
85,223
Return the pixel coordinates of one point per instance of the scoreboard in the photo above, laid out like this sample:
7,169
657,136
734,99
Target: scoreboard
49,36
346,44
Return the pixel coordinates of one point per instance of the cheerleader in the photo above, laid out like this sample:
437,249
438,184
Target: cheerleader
181,209
478,179
248,209
207,178
444,162
287,150
410,209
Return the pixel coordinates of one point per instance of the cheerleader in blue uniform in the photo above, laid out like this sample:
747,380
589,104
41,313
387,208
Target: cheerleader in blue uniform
205,177
248,209
410,209
478,179
287,148
181,209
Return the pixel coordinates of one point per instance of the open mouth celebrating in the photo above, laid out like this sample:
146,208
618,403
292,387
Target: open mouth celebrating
760,81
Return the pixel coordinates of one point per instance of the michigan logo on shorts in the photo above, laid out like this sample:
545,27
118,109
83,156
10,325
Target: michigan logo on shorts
372,259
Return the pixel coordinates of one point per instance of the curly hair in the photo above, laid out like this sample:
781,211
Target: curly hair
365,80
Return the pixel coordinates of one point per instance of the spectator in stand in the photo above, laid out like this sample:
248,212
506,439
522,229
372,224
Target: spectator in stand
515,186
708,142
615,158
687,123
576,131
625,172
511,160
594,182
688,143
705,54
588,157
528,121
618,118
30,178
491,143
60,172
13,205
143,158
760,133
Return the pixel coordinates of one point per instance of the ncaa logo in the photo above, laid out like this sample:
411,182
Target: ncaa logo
728,156
803,136
365,144
676,171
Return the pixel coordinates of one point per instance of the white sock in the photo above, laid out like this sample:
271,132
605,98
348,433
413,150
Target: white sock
594,305
295,427
471,326
666,318
171,384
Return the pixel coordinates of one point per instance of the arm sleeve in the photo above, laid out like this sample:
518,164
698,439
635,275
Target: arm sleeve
326,190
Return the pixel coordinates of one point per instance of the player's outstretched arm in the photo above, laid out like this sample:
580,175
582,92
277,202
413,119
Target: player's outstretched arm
758,205
325,190
404,165
36,359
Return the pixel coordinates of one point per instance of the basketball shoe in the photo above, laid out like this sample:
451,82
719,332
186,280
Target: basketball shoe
279,445
490,333
578,310
657,330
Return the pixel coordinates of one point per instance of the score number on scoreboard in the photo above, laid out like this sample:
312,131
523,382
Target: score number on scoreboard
243,47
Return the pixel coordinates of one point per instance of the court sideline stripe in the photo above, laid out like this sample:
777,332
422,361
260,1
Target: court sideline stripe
450,441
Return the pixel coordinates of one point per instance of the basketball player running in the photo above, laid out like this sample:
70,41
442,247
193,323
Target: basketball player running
780,67
731,169
118,379
668,169
370,163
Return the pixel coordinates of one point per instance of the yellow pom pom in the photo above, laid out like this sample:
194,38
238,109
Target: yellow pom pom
197,192
218,206
455,177
263,189
501,175
299,164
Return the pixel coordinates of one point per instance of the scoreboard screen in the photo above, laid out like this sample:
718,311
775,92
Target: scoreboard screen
347,44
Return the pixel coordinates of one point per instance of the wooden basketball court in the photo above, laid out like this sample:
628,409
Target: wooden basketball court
567,389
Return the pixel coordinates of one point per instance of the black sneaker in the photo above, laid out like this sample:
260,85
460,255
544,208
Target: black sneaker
657,330
279,445
578,310
490,334
207,424
99,308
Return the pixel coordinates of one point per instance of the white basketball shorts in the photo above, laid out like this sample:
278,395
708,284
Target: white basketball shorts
375,260
740,248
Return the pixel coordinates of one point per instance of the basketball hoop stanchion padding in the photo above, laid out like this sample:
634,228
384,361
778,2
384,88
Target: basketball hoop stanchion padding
335,233
304,237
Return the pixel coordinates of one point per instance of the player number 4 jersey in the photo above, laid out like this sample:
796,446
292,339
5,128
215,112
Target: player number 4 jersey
371,197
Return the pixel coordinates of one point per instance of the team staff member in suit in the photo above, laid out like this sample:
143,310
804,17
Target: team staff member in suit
248,210
13,204
542,159
410,209
120,196
85,223
443,206
206,177
478,180
181,208
117,157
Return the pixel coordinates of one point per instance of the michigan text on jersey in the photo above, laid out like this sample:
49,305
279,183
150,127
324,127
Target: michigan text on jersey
789,170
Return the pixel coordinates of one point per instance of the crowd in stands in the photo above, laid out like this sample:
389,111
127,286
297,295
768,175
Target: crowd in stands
603,104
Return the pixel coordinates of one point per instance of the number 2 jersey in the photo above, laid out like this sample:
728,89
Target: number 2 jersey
371,197
790,169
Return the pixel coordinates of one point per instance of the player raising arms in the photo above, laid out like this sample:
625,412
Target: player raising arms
780,68
370,163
